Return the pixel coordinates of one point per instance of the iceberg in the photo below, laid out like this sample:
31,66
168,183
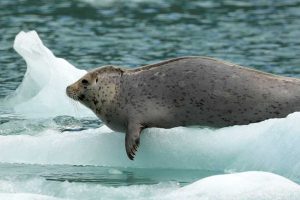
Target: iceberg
242,186
271,145
42,91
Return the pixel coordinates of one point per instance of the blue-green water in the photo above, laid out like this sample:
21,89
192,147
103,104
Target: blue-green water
65,157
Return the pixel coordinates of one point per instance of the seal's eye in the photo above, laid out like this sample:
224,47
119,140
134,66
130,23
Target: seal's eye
84,82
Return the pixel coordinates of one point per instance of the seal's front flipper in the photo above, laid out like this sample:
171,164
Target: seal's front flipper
132,139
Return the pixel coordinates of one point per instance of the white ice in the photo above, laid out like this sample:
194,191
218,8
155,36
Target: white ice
42,91
239,186
25,196
272,145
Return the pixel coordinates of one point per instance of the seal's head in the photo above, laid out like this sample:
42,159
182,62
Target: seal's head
83,89
96,88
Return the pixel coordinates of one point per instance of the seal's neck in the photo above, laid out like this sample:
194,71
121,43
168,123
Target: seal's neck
105,105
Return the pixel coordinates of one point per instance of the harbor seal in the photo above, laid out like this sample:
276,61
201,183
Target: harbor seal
182,92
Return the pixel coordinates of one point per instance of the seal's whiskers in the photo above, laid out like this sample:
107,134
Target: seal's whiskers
75,106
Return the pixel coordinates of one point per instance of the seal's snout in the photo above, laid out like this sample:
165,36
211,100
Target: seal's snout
68,91
71,92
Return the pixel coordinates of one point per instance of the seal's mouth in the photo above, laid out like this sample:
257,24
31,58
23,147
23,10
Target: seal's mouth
71,93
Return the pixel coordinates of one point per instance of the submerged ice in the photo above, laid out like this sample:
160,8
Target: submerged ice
271,145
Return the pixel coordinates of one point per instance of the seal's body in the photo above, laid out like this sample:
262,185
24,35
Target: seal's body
182,92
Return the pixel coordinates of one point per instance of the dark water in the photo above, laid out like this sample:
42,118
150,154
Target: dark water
103,175
261,34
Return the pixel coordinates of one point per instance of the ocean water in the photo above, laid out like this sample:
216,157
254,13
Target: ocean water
54,148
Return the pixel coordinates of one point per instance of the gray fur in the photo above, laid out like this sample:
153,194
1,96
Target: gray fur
182,92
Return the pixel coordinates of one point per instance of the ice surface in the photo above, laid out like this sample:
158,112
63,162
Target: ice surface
42,91
24,196
39,187
240,186
272,145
